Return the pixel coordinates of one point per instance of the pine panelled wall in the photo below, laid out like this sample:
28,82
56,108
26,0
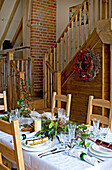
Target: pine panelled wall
43,36
81,90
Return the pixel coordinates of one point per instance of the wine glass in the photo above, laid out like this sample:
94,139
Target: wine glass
71,130
65,136
96,124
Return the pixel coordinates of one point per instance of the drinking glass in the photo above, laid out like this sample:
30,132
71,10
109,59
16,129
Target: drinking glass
96,124
60,113
104,132
71,131
66,142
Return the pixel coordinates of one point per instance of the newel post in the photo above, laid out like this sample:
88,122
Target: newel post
10,56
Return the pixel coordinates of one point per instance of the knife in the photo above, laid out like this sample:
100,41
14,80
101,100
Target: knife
52,153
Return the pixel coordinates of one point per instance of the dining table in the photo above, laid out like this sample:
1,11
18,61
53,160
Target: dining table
57,161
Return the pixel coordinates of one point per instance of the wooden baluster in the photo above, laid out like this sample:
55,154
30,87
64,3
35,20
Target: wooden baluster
93,15
18,65
22,66
68,49
72,39
65,41
103,83
110,8
89,20
13,91
48,104
61,53
22,76
54,59
106,9
75,34
57,56
59,87
80,28
98,10
5,76
50,75
2,75
45,80
31,75
85,18
26,71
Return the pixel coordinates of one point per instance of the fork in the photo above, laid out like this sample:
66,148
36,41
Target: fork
52,150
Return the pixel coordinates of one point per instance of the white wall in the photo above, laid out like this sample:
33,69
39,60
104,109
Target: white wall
62,14
4,17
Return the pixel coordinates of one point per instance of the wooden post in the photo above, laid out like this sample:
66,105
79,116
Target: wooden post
22,76
68,39
80,28
61,54
10,56
45,80
89,20
31,72
72,39
111,85
85,18
57,56
103,85
93,15
75,34
59,86
65,49
26,28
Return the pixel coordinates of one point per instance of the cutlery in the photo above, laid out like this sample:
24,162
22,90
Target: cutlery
52,150
96,157
52,153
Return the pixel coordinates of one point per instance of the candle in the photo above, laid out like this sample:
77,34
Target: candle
37,125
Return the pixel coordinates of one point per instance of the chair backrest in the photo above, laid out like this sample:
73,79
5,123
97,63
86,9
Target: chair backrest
4,106
11,154
61,98
103,104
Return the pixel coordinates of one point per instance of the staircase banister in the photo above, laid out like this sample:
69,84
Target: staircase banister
70,23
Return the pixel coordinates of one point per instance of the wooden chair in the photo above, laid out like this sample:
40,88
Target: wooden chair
3,107
16,154
99,103
61,98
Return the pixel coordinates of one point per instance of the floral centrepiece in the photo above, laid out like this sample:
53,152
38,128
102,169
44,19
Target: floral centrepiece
87,64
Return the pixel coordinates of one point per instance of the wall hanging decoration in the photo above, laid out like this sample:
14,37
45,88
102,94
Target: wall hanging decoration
87,64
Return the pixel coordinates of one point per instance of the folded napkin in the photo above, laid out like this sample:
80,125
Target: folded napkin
83,156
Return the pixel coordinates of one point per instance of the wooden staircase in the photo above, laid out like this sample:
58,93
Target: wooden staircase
90,28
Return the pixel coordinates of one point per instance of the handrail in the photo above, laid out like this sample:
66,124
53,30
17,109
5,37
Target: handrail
14,49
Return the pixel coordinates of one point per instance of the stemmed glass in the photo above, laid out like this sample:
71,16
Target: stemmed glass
71,130
96,124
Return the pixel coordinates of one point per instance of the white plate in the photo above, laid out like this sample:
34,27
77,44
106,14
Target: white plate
39,147
101,149
36,145
97,153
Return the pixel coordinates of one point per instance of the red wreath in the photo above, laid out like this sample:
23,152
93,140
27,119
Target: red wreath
87,64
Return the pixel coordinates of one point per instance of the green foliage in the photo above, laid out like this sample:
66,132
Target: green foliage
51,128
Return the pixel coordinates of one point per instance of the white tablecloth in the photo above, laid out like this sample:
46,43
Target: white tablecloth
57,161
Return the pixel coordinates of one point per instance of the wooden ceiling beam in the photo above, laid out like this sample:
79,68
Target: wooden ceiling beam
17,32
9,21
1,3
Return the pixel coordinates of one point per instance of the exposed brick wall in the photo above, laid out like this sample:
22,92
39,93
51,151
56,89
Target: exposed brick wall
43,35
